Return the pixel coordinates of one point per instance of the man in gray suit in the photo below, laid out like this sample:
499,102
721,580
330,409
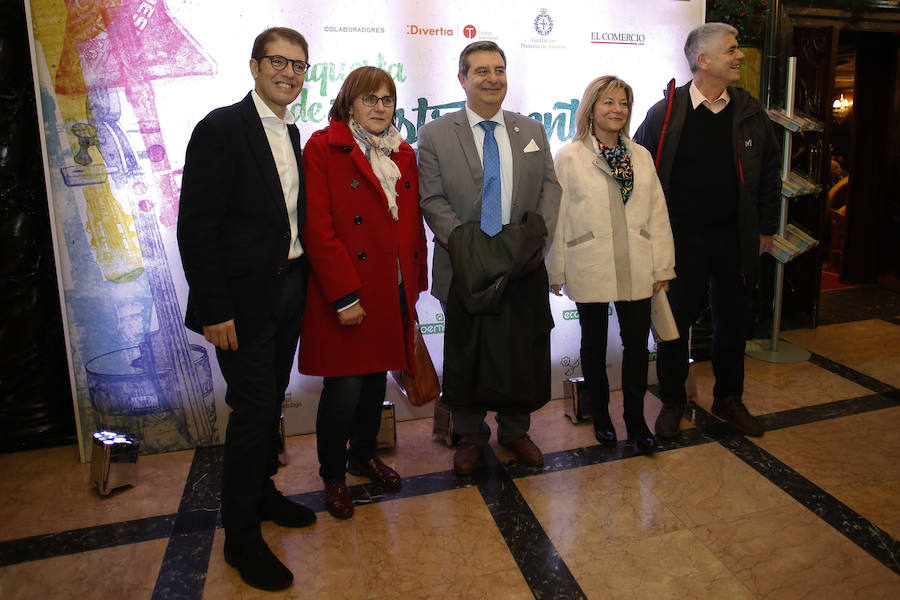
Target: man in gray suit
452,185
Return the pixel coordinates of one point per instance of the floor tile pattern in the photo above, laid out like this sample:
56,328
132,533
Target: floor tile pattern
810,509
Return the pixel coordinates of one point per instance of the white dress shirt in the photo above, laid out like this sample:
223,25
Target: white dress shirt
285,156
716,106
503,145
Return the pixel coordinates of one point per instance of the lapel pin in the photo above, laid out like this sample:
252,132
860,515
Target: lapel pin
516,128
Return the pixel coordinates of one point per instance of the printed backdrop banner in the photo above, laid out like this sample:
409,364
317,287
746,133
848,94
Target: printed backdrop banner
122,84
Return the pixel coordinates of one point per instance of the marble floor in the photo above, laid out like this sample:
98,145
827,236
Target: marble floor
810,510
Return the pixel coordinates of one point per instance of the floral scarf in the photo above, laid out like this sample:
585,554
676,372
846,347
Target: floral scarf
620,164
378,151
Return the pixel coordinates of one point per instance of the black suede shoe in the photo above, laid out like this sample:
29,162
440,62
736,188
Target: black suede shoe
668,423
283,512
257,566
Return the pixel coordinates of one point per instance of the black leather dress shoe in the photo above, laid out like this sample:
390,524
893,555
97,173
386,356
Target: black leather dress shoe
603,427
639,435
283,512
257,566
606,437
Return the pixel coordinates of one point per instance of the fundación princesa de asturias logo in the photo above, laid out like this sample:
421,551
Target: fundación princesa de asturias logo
543,23
543,26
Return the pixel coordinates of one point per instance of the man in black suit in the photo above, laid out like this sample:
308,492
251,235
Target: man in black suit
239,222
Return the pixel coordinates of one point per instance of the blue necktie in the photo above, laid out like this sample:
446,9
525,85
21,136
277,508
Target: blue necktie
491,211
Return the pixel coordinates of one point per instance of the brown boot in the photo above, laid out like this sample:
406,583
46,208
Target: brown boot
337,500
375,470
733,411
466,459
668,423
526,451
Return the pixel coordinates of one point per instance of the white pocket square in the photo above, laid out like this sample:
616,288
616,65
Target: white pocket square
531,147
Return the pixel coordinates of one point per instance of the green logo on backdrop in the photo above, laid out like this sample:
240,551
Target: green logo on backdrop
431,328
324,78
572,314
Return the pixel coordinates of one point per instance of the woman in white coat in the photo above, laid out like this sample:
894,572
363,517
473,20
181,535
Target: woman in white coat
613,243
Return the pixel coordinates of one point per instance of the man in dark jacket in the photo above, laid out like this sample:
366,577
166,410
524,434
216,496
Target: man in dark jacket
718,160
239,222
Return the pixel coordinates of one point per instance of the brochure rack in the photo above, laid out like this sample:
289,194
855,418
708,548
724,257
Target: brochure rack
793,184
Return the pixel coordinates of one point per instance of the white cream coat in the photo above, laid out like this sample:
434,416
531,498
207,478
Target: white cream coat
604,251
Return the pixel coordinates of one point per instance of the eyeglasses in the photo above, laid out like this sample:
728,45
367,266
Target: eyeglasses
372,100
279,62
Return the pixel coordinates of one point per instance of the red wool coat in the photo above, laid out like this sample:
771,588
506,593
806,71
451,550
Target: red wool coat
354,244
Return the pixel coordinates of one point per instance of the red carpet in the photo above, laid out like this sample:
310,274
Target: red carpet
830,282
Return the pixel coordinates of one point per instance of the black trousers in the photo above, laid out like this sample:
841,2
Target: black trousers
634,329
257,374
701,266
349,410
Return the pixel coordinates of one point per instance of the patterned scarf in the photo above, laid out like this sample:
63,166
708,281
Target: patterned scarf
378,151
620,164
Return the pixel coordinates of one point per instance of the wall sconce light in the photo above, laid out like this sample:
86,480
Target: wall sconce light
841,107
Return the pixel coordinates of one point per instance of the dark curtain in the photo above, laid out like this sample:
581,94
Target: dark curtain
35,397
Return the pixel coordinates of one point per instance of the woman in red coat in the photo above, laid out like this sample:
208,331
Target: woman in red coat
365,240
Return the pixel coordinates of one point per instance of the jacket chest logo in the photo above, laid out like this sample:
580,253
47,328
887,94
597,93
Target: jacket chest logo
748,143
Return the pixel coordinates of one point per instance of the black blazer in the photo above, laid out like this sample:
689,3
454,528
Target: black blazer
233,229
